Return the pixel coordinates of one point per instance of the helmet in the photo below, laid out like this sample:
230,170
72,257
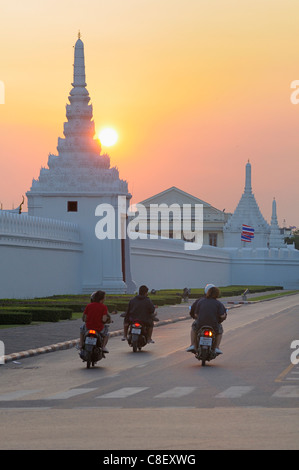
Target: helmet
92,297
208,286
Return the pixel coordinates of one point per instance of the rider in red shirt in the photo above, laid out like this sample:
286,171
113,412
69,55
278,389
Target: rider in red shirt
95,316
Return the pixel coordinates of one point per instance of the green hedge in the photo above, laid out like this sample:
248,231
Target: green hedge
15,318
40,313
228,291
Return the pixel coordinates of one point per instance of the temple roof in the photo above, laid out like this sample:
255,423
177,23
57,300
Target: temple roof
79,166
247,211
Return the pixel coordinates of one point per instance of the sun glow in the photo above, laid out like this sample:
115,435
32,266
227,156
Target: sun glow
108,137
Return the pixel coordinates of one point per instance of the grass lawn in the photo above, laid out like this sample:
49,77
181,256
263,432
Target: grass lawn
272,296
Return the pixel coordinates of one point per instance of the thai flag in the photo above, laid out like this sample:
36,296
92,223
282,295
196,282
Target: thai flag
247,233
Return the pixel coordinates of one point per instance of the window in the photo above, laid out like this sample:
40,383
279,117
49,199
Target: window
72,206
213,239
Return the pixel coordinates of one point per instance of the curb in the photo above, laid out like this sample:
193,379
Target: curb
72,343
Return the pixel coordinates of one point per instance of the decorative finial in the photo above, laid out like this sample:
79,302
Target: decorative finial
79,34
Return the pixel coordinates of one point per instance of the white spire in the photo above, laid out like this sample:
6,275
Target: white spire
247,212
248,188
276,238
79,64
79,164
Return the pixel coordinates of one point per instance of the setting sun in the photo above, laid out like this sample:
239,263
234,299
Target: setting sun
108,137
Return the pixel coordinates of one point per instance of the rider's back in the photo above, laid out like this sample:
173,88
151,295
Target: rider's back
140,308
208,311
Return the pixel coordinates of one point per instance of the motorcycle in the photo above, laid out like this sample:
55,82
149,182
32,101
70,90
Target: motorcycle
137,333
206,339
92,350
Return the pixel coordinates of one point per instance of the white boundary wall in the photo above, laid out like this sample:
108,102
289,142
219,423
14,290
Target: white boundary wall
38,257
263,266
162,264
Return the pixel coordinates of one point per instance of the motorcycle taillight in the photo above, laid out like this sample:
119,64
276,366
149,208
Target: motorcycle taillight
208,333
92,332
137,325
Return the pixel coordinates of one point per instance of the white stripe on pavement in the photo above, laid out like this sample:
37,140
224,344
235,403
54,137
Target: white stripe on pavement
235,391
287,391
69,393
123,392
176,392
17,394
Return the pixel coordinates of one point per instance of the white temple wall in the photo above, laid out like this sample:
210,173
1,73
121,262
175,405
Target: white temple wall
274,267
101,263
38,257
164,264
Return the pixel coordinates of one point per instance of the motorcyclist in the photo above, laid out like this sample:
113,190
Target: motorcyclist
140,309
96,316
208,311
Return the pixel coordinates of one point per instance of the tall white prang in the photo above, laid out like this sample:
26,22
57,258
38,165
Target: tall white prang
76,181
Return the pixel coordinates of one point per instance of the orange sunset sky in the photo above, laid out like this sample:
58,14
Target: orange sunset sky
194,89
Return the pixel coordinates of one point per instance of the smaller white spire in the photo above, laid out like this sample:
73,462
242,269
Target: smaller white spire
248,188
276,238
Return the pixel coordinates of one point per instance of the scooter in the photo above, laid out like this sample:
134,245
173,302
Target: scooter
137,333
92,350
206,339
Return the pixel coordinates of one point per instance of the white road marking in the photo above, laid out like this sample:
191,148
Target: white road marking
235,391
176,392
17,394
287,391
123,392
69,393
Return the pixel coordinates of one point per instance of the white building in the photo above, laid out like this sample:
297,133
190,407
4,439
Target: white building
54,248
175,199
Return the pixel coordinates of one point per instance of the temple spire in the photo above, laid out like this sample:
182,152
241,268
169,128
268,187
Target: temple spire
248,188
276,239
79,64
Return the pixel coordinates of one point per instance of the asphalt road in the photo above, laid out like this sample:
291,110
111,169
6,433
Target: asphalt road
161,397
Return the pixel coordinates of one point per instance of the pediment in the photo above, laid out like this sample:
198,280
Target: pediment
175,195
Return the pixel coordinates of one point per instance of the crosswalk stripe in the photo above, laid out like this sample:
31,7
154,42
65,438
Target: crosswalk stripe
69,393
176,392
235,391
123,392
16,394
287,391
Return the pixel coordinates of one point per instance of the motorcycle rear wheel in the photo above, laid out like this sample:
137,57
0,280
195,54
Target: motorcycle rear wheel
135,346
203,357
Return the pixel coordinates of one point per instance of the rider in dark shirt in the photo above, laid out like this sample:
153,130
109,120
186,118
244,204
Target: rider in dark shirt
208,311
140,309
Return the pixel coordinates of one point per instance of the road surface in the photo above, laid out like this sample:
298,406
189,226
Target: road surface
161,397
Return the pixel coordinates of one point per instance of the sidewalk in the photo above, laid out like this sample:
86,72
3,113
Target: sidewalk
30,340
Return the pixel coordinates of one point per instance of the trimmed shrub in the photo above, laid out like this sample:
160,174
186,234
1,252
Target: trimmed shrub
15,318
41,314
